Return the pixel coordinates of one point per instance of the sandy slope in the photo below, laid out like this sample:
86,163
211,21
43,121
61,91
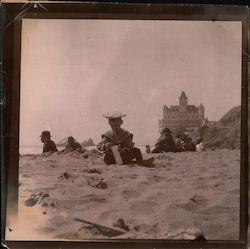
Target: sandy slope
184,195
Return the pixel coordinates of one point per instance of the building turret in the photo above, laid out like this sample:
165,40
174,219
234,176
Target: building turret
183,100
165,109
201,111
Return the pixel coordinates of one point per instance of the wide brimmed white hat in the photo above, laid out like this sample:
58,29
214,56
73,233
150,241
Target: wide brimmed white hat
113,115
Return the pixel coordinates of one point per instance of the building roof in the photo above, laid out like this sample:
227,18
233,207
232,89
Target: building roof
192,108
174,107
177,108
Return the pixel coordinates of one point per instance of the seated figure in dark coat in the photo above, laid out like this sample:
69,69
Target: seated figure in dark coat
48,144
179,143
165,142
189,145
72,145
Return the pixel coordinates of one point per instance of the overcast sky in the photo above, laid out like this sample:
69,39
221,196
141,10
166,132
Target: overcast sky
72,71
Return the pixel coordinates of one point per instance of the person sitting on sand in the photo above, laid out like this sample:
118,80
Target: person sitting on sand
199,145
148,150
189,145
48,144
165,143
123,139
179,143
72,145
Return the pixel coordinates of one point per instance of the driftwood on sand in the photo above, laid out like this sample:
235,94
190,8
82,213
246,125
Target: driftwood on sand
107,231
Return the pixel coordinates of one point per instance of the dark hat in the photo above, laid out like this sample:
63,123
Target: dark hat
166,130
45,134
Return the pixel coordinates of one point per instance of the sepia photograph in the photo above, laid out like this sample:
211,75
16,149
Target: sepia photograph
129,129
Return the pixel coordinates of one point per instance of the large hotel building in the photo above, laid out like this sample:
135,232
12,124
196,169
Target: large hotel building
182,117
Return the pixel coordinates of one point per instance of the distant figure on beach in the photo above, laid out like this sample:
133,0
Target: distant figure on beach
72,145
48,144
120,139
148,150
199,145
189,145
179,143
165,142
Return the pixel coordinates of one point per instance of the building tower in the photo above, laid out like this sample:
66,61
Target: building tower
183,100
201,111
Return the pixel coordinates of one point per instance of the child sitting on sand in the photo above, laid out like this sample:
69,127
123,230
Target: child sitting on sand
123,139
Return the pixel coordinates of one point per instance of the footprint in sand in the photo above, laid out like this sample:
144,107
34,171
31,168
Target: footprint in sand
155,178
195,202
130,193
144,207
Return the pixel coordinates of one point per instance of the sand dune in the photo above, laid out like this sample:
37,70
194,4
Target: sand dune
185,195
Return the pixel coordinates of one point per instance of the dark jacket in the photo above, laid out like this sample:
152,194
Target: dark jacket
166,141
123,139
72,147
189,146
49,146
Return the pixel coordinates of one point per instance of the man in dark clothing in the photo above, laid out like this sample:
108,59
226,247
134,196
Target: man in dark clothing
189,145
179,143
48,144
165,143
72,145
123,139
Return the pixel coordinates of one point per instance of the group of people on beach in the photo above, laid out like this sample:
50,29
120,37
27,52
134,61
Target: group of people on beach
117,144
50,146
166,143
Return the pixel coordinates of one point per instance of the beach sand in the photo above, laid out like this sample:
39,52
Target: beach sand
186,194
